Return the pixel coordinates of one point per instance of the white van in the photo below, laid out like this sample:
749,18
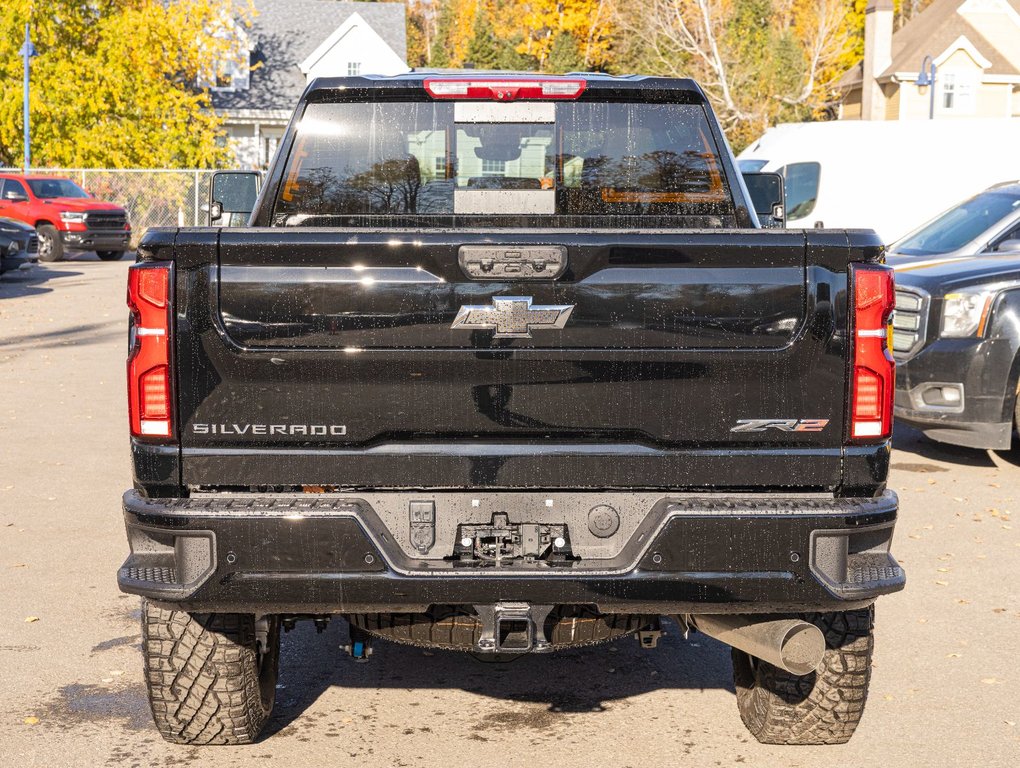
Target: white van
886,175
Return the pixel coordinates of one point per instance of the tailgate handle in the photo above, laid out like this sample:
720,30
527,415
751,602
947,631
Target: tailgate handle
487,262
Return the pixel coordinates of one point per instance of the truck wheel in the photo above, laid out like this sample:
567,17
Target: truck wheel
1016,415
208,681
110,255
821,708
51,247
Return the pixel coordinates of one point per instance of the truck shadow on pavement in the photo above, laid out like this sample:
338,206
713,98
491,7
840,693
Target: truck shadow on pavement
17,283
911,441
580,680
78,335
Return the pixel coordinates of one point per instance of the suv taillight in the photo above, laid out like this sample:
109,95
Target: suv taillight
148,366
873,378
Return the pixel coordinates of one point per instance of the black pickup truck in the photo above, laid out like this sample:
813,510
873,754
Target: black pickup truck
505,364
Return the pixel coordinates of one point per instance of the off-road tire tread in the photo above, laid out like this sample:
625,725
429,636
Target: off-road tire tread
202,675
824,707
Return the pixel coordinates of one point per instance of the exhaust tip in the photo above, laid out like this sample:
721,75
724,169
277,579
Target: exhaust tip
802,649
791,644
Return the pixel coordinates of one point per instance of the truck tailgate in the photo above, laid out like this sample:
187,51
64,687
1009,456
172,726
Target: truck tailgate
327,357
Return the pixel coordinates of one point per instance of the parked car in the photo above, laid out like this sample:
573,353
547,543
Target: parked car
503,364
65,216
956,334
18,244
989,222
886,175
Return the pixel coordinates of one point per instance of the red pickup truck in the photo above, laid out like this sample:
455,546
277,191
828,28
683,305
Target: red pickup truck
65,216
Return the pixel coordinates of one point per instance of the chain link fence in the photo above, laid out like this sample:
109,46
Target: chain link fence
153,197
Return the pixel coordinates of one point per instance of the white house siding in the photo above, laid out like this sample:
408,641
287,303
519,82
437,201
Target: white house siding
243,144
355,43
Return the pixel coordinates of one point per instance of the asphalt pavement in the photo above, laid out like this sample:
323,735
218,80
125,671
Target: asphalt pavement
945,689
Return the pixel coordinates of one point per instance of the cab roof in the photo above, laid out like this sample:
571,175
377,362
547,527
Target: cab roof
597,84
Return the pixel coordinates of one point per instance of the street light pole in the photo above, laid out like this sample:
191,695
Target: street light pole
927,79
27,52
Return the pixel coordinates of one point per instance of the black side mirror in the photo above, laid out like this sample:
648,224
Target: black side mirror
768,196
232,196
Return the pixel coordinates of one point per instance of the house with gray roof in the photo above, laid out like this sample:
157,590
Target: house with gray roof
289,43
974,45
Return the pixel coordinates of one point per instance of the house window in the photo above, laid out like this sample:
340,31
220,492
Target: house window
440,167
957,93
353,68
270,143
229,75
493,168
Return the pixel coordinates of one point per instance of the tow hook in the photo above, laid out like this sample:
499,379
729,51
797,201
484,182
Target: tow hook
360,646
648,637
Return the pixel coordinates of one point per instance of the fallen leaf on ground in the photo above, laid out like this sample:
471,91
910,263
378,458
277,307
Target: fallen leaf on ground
942,583
30,720
31,619
989,680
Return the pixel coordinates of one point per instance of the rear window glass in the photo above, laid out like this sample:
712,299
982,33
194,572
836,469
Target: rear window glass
501,162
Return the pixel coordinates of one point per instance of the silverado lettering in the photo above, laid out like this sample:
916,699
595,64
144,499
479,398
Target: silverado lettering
551,305
313,430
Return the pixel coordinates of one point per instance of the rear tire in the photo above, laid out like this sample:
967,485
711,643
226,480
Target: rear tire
208,682
51,247
821,708
110,255
1016,416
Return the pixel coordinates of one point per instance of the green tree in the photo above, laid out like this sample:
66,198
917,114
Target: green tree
483,52
115,83
441,53
564,55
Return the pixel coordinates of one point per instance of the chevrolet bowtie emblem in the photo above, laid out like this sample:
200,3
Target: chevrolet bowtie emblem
513,317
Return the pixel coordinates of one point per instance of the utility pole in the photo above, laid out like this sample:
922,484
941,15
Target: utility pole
27,52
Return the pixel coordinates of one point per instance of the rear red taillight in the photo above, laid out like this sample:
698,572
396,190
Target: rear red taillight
148,367
504,88
873,379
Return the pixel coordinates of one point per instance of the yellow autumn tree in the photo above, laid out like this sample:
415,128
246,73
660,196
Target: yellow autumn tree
455,28
587,25
116,82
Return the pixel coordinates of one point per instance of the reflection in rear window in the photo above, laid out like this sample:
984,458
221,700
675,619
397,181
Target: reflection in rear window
509,162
